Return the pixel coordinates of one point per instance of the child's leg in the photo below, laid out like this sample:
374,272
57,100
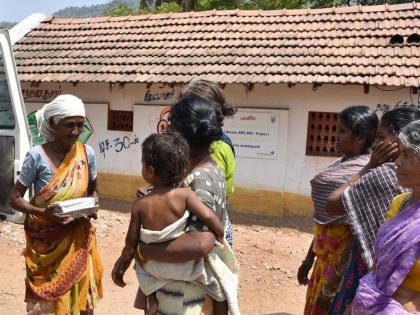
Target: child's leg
220,308
152,304
141,300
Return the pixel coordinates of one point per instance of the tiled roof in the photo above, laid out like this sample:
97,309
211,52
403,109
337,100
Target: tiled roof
333,45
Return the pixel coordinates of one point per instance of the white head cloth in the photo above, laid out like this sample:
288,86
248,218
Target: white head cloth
62,106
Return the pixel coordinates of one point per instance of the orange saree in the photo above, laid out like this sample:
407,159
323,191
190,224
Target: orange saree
63,267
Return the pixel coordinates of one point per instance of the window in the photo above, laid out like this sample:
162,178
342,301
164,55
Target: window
7,117
121,120
320,140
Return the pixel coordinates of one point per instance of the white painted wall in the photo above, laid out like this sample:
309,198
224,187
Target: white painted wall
292,167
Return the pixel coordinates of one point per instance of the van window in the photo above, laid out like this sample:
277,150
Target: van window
7,118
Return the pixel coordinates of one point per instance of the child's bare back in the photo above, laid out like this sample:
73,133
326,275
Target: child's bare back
161,207
165,205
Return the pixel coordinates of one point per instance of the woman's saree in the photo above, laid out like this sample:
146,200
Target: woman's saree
397,250
330,242
63,267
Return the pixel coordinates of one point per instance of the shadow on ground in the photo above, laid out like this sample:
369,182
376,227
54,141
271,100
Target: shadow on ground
300,223
115,204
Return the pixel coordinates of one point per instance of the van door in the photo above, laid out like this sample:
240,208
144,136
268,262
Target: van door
14,131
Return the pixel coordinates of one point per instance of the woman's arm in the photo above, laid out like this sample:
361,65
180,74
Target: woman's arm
334,204
93,188
206,215
189,246
382,153
306,266
93,192
18,203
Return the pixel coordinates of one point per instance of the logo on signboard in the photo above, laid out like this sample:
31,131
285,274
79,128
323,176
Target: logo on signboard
163,120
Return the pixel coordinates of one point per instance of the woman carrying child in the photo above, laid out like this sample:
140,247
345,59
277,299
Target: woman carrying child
196,121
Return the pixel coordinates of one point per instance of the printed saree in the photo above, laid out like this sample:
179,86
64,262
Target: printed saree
331,233
330,242
355,270
63,267
397,251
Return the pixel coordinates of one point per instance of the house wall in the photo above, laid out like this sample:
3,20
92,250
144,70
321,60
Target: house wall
275,186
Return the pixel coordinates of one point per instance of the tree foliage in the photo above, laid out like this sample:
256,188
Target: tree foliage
121,9
132,7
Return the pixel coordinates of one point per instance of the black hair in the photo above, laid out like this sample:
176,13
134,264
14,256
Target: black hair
196,120
362,121
168,153
396,119
212,93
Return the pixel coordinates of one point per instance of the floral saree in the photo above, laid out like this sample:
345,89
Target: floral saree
63,268
330,242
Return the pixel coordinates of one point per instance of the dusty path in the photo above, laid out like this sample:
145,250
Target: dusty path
269,250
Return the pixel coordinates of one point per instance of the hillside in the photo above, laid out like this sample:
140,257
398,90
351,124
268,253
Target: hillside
7,24
84,11
93,10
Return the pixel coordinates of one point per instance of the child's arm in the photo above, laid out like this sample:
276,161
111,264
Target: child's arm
131,241
206,215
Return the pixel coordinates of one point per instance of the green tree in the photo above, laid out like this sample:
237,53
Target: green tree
169,7
272,4
120,9
165,6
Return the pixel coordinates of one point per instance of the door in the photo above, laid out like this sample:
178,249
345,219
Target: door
14,132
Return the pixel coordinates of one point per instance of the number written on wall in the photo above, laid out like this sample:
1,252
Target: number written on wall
118,144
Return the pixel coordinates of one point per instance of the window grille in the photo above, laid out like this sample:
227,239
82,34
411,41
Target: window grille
322,127
120,120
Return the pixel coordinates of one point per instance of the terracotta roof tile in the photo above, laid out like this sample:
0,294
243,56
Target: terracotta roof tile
332,45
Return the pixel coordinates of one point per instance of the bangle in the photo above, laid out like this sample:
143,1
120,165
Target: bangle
338,274
327,294
139,253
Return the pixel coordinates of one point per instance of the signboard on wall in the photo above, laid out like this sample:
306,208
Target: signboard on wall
254,132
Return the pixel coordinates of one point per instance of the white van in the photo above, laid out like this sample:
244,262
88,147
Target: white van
15,138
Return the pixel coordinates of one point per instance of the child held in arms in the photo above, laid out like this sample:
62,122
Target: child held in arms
163,215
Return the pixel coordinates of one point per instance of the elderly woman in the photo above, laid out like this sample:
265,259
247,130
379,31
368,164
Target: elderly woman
365,199
355,135
393,287
63,268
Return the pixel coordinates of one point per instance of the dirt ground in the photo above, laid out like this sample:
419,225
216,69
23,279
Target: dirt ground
269,250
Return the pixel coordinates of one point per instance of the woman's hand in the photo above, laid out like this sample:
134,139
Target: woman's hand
143,191
328,293
323,302
50,212
382,153
303,271
189,246
220,239
94,215
120,267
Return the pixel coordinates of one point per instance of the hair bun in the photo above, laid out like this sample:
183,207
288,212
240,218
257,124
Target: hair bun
202,127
